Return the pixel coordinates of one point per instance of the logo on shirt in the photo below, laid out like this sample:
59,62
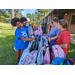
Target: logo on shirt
24,34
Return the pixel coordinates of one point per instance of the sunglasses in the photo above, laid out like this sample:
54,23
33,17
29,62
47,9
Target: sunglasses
52,22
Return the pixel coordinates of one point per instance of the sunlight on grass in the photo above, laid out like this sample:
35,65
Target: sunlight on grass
71,51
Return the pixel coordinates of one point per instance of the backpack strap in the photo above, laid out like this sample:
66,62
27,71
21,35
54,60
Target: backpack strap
57,50
73,61
65,61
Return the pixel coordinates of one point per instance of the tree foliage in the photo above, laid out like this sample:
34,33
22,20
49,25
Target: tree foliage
5,14
39,15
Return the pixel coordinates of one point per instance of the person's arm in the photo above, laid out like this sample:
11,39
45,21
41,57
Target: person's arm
64,45
54,38
25,39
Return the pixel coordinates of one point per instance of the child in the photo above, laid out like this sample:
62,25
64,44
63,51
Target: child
22,39
64,37
23,21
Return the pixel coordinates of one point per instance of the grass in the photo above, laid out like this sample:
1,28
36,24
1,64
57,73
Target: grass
7,53
73,35
71,52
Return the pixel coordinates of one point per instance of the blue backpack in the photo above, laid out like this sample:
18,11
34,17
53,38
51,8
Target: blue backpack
59,61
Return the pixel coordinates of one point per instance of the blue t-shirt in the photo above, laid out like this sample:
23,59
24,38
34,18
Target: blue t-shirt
53,33
25,27
18,42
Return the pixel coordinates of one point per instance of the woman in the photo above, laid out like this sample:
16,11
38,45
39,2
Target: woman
54,33
64,37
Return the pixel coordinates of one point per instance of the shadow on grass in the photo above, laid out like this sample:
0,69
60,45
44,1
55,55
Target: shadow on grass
7,53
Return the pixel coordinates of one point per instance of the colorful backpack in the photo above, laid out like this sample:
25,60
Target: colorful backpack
58,51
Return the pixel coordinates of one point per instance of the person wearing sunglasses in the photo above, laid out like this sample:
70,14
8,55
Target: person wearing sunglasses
54,33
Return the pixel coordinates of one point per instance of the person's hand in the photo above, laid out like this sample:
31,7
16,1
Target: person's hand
48,39
33,38
30,41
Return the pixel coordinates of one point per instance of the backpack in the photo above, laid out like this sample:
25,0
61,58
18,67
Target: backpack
58,51
71,61
30,58
42,41
35,44
40,57
40,32
59,61
36,32
30,31
46,59
43,56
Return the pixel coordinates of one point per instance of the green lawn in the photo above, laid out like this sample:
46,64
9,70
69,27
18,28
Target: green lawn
7,53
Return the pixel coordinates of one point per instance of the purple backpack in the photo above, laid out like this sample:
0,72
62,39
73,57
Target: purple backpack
30,58
58,51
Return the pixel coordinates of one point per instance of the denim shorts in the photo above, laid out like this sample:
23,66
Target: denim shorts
16,49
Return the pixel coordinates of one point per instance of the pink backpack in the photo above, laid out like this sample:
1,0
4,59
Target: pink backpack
46,59
40,32
36,32
58,51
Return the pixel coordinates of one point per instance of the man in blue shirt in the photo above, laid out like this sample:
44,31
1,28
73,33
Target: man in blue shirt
22,40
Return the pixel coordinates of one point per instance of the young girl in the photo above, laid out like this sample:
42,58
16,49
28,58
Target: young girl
22,40
64,37
23,21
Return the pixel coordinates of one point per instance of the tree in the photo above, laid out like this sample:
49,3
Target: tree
41,13
12,13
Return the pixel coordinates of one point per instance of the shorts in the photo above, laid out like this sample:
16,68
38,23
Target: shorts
16,49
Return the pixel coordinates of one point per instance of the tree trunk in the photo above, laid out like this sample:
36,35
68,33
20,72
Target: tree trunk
12,16
18,13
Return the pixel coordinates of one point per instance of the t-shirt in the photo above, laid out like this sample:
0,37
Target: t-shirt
54,32
18,42
25,27
64,37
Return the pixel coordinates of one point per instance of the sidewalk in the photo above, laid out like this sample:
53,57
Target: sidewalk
72,40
